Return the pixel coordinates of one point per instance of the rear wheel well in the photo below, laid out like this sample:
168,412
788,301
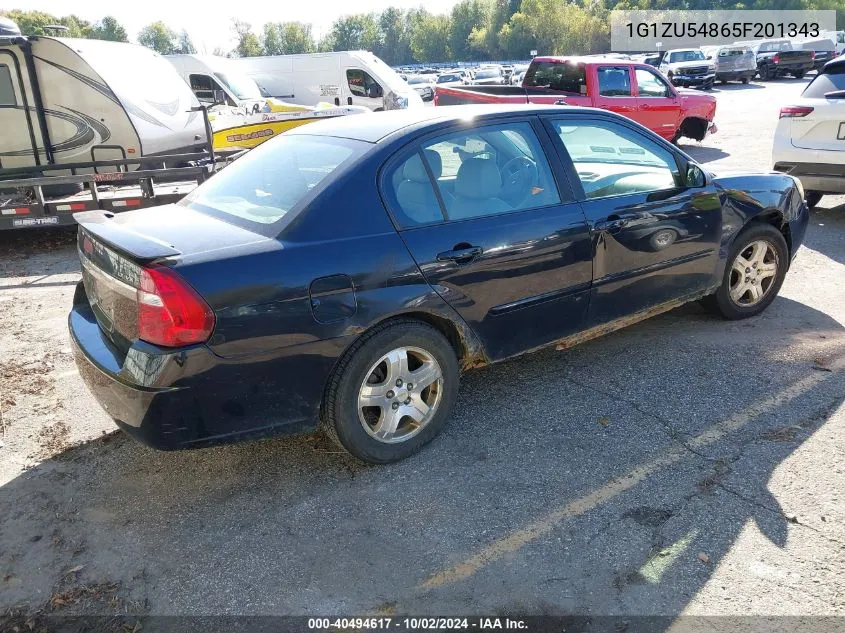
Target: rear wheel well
775,218
694,127
446,327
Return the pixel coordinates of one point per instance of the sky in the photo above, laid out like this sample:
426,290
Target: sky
209,24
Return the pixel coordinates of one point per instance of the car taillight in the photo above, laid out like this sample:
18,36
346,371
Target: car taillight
812,54
776,59
794,112
170,312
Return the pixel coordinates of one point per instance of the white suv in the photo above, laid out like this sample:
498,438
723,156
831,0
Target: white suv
810,137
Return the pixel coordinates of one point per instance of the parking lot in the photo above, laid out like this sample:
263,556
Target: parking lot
685,465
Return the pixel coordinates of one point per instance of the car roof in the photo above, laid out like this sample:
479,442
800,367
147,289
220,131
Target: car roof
374,127
587,59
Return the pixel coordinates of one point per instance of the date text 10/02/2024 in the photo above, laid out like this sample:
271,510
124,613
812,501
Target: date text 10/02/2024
416,624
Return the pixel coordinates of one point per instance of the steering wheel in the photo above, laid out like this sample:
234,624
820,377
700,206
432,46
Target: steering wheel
519,177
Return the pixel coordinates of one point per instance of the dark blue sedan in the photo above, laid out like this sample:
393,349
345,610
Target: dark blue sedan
342,275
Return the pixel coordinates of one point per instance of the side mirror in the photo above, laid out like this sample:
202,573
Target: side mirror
696,179
374,92
219,97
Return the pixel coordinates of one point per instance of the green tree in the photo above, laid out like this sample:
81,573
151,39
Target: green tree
288,38
76,27
159,37
430,38
109,29
184,44
555,28
248,43
395,37
31,22
466,16
354,32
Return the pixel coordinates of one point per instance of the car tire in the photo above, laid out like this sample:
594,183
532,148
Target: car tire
745,80
765,73
799,75
812,198
727,302
364,431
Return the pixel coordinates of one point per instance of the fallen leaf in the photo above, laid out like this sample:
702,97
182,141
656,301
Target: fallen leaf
704,558
604,421
73,570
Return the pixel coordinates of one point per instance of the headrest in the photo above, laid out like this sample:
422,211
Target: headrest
415,171
478,178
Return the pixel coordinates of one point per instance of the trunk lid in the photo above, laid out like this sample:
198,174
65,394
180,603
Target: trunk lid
114,250
823,128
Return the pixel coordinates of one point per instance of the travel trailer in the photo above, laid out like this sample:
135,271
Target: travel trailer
68,101
346,78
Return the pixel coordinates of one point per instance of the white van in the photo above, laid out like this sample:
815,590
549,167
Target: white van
342,78
210,75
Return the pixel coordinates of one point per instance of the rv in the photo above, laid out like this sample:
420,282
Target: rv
66,101
349,78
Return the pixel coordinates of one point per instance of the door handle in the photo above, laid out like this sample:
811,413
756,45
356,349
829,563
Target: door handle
460,255
645,106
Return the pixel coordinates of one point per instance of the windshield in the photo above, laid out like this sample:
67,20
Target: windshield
560,76
241,86
264,185
442,79
685,56
418,80
488,74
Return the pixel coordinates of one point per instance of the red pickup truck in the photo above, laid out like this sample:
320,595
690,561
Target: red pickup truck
635,90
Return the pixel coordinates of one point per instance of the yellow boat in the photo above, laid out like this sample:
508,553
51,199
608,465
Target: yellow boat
238,130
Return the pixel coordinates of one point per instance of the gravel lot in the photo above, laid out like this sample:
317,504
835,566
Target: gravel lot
685,465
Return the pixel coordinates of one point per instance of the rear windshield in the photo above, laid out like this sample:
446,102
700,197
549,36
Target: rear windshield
824,83
265,185
560,76
774,47
733,52
488,74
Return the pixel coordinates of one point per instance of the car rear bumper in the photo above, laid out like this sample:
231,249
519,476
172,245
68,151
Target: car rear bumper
171,399
735,75
823,178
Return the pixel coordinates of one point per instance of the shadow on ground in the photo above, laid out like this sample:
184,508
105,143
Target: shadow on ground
584,482
703,154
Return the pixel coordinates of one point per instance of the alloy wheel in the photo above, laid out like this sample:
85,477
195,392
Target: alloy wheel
753,273
400,394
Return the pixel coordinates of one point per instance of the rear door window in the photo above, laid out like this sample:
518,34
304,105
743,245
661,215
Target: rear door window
614,81
473,173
